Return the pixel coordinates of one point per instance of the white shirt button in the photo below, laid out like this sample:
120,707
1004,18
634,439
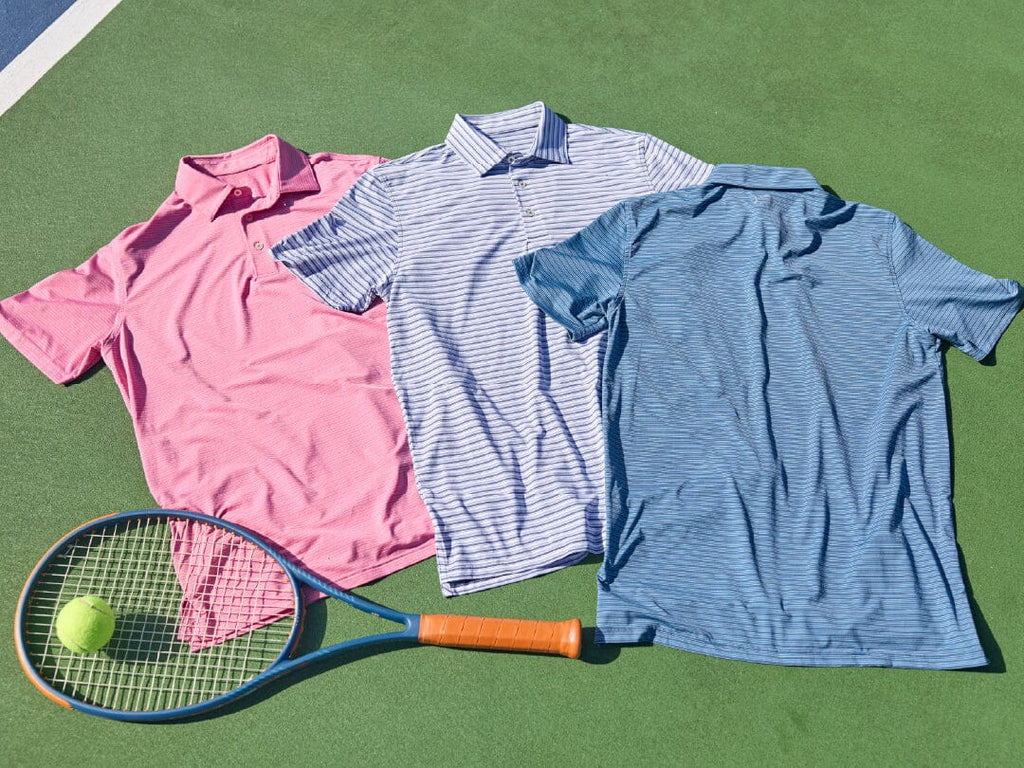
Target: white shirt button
530,212
521,184
258,245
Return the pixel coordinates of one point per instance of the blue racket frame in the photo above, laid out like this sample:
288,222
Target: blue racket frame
280,666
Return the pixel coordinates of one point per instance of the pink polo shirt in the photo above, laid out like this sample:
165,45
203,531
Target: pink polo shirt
252,400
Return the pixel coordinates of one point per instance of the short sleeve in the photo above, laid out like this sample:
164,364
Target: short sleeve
669,168
578,282
965,307
348,256
61,323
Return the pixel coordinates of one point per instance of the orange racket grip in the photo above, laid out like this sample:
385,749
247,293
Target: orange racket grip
557,637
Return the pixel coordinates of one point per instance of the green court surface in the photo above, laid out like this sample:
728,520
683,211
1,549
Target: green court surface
914,107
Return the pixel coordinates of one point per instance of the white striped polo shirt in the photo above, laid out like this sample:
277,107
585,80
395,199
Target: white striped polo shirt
502,409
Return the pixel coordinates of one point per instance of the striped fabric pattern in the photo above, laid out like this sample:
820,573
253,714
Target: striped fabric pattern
502,409
777,441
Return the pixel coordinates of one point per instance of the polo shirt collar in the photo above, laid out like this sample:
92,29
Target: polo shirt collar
762,177
470,136
798,227
198,181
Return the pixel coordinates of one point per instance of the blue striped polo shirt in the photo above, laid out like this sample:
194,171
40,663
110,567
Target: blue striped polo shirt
502,409
778,466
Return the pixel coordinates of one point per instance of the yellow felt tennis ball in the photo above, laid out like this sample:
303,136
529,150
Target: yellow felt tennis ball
85,624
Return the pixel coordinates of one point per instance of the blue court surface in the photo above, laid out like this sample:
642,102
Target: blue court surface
21,21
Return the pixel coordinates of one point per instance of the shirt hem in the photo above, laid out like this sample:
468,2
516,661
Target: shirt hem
31,352
1002,323
914,659
455,586
397,563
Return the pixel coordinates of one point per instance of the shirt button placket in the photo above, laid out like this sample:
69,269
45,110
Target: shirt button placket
255,243
519,186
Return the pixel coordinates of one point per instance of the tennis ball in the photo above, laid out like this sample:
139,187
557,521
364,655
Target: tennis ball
85,624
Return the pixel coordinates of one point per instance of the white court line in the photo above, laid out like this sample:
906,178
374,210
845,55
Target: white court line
49,48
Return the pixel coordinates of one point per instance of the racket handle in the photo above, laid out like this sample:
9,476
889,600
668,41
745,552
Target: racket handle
557,637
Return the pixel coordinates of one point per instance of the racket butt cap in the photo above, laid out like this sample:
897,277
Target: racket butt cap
572,646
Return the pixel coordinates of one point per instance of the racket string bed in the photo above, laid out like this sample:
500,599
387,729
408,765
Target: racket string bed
140,548
73,584
146,666
235,587
145,584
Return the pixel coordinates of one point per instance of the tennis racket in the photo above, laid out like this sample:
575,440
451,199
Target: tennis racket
206,613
